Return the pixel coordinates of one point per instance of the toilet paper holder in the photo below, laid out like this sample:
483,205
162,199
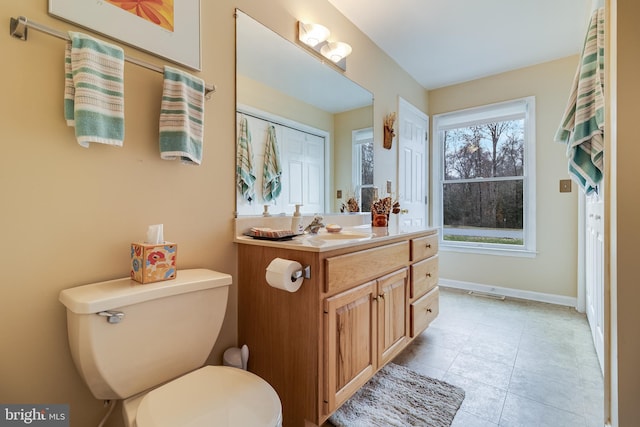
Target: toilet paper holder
303,272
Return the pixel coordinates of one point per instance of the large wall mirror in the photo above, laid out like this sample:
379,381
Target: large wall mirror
319,120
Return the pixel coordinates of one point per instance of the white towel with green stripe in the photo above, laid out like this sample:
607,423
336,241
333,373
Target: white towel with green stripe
582,126
182,117
272,171
94,90
245,177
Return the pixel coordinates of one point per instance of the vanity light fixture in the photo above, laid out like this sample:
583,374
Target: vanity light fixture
335,51
315,37
312,34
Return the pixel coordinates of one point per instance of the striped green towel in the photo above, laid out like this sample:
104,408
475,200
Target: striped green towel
245,177
272,171
94,90
582,126
181,117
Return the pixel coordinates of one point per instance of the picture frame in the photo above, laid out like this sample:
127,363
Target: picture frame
177,41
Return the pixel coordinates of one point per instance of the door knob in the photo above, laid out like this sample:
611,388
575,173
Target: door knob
404,211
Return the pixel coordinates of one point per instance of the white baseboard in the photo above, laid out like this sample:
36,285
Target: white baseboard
509,292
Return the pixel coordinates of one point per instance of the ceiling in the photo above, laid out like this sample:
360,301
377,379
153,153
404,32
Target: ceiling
444,42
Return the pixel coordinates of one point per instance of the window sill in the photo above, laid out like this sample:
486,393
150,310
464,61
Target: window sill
485,250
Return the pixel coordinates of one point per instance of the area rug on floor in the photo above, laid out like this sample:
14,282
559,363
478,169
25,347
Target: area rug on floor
397,396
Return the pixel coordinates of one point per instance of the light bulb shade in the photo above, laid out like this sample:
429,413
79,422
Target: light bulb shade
312,34
335,51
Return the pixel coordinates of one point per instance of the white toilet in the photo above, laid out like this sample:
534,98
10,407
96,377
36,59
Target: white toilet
146,344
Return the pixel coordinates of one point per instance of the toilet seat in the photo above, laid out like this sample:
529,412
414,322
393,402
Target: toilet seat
212,396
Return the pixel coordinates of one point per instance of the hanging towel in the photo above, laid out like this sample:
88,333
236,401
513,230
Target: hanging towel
94,90
245,178
181,117
582,126
271,185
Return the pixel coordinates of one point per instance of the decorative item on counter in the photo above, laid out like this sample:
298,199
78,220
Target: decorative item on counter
154,260
333,228
380,210
389,133
266,233
315,225
351,206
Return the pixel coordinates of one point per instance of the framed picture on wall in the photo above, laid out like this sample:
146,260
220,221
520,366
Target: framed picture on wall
166,28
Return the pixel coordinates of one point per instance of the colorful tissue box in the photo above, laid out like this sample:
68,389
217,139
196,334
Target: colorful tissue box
153,263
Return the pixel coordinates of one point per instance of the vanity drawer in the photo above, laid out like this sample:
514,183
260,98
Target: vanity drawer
423,311
346,271
424,247
424,276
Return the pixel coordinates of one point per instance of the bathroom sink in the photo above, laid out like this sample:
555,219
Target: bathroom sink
343,235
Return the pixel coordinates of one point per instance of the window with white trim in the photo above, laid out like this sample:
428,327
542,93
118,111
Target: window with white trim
363,168
484,178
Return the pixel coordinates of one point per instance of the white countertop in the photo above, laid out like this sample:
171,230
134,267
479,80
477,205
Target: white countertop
347,237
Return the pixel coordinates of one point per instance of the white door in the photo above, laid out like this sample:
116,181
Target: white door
303,169
594,271
413,149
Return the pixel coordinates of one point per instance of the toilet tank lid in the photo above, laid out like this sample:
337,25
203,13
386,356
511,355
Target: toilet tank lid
96,297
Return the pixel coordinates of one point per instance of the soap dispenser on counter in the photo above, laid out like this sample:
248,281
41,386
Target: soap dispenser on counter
296,222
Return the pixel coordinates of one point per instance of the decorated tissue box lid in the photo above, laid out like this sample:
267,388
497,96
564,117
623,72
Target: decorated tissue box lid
155,259
153,262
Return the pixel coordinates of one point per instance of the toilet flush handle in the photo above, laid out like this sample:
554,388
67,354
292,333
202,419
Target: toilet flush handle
112,316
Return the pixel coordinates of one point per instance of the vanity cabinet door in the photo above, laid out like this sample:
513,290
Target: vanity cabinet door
392,315
350,342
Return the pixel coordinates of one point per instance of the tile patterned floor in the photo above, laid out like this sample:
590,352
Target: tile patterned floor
521,363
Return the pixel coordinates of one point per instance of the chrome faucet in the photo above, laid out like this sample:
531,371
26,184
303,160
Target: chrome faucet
315,225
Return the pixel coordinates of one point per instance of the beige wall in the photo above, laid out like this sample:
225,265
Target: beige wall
70,213
553,270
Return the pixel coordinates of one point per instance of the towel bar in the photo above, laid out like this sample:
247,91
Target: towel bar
18,28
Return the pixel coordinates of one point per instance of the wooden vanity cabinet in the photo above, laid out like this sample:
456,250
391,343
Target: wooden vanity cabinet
365,327
319,345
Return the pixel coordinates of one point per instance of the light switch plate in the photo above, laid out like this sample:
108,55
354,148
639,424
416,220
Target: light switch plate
339,194
565,186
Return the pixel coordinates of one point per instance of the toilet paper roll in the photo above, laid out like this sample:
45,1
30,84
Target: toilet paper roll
279,274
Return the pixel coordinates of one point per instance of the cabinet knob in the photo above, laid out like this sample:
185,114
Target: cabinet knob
428,310
428,274
381,296
428,246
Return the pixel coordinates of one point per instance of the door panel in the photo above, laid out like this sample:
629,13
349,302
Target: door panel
412,165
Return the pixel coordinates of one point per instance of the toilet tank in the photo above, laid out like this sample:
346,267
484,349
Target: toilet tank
166,329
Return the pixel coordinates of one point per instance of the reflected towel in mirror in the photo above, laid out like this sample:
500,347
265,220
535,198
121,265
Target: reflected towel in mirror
245,178
271,185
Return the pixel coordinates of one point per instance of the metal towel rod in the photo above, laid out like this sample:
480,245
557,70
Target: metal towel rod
18,29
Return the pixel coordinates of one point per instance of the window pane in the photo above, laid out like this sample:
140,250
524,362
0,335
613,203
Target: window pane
368,195
485,212
484,151
366,154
